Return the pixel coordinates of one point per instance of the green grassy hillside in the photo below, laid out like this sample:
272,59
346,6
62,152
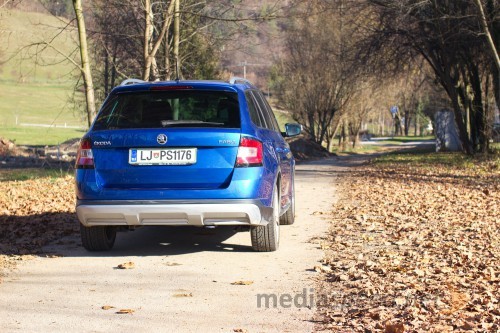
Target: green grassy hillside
19,30
37,82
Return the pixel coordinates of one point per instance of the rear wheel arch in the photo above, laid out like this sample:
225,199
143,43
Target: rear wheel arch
288,216
280,191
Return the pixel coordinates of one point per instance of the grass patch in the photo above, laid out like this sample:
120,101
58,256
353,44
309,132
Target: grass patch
426,158
27,28
450,161
283,118
495,147
37,89
406,139
32,173
37,104
40,136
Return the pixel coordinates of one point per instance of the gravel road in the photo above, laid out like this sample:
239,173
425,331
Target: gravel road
183,279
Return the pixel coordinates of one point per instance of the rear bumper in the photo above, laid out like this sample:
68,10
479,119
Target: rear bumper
195,213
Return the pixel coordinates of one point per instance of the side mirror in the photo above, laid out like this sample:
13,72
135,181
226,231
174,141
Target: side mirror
292,130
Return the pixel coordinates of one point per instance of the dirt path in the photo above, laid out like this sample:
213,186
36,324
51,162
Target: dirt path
183,278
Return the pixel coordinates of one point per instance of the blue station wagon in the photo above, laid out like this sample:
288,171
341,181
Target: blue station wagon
197,153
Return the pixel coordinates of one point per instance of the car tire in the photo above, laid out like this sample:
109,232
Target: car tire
266,238
289,217
98,238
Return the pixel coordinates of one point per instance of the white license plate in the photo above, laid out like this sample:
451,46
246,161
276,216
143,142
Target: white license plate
167,156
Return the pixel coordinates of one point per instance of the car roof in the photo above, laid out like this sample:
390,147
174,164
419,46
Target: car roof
133,85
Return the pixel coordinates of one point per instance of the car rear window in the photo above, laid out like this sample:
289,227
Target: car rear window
159,109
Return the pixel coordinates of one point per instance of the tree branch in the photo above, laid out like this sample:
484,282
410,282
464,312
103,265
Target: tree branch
487,32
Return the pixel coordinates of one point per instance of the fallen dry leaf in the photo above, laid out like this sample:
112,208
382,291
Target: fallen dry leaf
413,242
400,301
54,256
126,265
394,328
242,283
107,307
172,264
322,269
180,295
125,311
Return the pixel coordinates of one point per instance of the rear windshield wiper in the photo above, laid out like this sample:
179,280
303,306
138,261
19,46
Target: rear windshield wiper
166,123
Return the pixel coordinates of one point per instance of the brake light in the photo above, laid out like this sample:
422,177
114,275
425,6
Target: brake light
162,88
84,157
249,153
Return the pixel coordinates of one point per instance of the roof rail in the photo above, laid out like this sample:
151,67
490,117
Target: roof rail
235,80
131,81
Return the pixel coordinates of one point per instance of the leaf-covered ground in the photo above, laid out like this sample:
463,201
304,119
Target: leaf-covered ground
33,213
414,247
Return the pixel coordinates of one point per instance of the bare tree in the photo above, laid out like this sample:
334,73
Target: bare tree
151,46
318,72
448,36
169,33
408,96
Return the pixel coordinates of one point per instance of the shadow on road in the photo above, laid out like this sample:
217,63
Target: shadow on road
28,235
153,241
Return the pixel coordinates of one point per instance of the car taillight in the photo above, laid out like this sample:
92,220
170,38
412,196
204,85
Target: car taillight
84,157
249,153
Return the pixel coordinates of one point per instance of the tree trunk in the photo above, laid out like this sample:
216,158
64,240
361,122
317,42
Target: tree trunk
167,58
343,136
398,131
87,74
459,117
177,39
148,31
154,68
479,112
355,139
331,137
382,125
113,69
106,72
407,122
415,133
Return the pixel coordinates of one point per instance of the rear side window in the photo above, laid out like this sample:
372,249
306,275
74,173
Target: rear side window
158,109
266,110
255,115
